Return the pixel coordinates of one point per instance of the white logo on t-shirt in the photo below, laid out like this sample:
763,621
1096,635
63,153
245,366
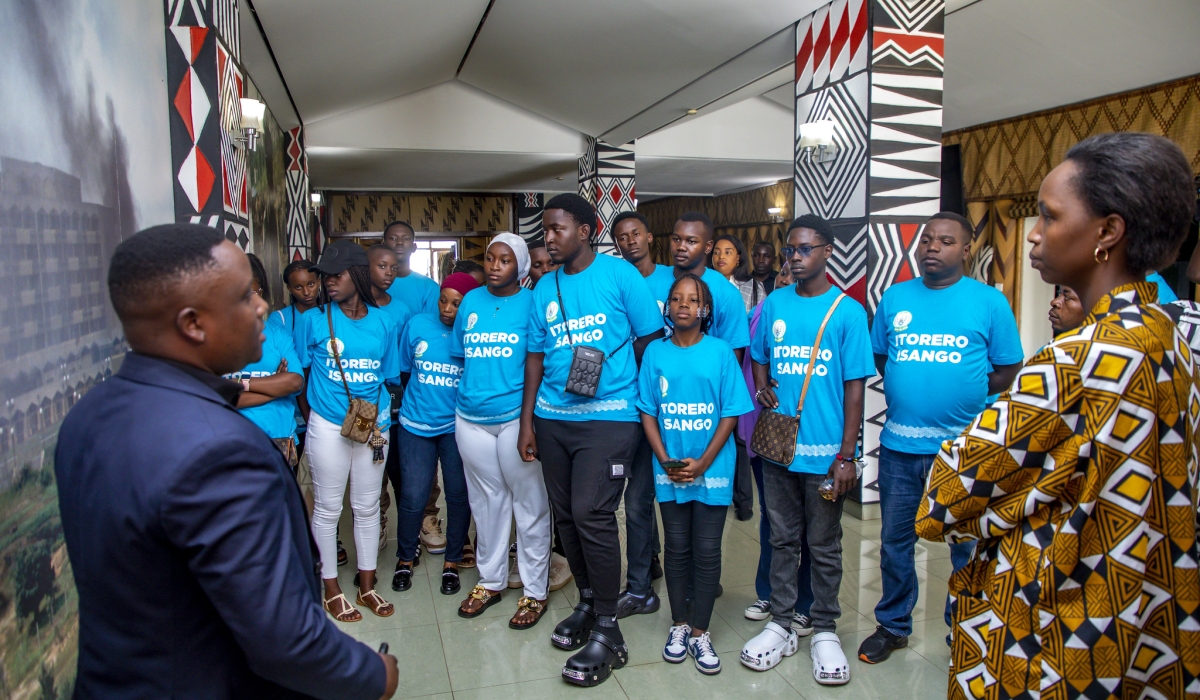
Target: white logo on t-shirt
330,344
778,329
471,320
662,386
551,311
901,321
660,307
422,346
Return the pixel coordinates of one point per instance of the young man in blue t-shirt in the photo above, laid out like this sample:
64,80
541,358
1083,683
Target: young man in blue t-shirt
828,375
943,344
594,315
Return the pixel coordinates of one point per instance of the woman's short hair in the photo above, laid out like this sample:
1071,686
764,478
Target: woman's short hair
741,273
1147,181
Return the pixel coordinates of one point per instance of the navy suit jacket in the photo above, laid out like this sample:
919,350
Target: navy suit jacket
187,535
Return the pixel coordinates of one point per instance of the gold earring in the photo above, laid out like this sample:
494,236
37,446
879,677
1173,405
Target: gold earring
1096,255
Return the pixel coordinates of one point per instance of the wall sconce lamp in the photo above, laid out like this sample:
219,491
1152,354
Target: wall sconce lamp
816,139
252,121
776,214
316,200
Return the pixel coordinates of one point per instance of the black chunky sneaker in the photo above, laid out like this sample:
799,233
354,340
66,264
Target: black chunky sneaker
629,604
879,646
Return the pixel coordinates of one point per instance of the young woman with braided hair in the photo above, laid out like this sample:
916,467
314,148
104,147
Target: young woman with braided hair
689,419
361,354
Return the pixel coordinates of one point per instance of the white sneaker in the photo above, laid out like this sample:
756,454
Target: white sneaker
432,536
758,610
676,648
560,571
829,662
514,574
802,624
701,649
765,651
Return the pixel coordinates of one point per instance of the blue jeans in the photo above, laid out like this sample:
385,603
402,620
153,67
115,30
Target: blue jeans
762,581
419,457
902,479
641,526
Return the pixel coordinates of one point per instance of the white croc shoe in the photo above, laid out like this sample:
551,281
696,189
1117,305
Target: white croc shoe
829,662
766,650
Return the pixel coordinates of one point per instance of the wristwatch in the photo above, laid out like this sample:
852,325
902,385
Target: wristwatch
245,384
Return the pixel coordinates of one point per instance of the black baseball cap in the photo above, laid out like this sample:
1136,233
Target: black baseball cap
338,256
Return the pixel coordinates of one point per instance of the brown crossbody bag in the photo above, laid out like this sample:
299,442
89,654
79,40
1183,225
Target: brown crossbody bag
775,433
359,423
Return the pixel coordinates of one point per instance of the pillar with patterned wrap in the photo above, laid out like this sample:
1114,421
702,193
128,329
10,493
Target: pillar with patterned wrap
298,197
873,67
606,179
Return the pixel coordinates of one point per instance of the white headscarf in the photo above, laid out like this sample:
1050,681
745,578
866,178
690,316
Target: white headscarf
519,248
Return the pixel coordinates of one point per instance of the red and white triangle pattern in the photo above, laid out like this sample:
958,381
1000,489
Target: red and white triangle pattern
831,44
196,175
614,195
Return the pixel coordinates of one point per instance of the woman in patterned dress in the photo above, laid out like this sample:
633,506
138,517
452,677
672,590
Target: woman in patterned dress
1080,483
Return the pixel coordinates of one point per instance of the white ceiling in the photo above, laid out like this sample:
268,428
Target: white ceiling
374,81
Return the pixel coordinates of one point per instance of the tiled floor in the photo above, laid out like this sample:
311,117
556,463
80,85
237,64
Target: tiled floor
443,656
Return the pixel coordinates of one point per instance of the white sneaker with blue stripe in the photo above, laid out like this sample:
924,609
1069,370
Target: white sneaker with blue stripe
701,649
676,649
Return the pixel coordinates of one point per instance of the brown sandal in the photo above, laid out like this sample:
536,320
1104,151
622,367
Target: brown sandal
376,603
526,608
346,612
468,557
478,600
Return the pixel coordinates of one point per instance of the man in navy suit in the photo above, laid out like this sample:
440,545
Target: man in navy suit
185,528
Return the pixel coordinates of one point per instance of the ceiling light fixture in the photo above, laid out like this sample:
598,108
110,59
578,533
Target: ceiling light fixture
816,139
691,112
252,121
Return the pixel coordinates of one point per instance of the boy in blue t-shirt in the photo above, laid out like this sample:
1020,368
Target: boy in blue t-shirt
943,343
689,416
596,313
831,379
418,292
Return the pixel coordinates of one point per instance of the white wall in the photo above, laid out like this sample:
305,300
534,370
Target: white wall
1036,296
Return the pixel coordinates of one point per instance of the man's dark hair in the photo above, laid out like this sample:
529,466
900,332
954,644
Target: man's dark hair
1147,181
701,218
293,267
405,224
260,274
630,215
381,248
963,223
540,243
577,207
764,244
467,266
149,262
815,223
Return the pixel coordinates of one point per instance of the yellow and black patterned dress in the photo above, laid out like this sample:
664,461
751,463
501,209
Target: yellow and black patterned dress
1080,485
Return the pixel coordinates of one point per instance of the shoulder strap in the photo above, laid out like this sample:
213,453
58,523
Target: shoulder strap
337,358
816,350
562,307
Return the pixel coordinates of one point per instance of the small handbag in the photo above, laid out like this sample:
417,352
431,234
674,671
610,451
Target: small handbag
583,379
775,433
359,423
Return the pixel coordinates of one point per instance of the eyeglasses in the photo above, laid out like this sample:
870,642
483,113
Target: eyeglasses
804,250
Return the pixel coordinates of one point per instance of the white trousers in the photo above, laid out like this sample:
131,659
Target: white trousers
501,487
333,460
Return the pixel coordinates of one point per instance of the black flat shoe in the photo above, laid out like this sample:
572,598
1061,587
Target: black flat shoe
450,583
604,652
572,633
402,579
879,646
629,604
656,571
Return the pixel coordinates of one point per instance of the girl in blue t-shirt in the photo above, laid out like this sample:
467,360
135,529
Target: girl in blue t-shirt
349,346
689,417
431,375
304,287
490,334
269,386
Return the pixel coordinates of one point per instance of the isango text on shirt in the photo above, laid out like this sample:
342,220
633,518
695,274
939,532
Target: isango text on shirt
670,408
800,352
558,330
437,373
500,344
922,354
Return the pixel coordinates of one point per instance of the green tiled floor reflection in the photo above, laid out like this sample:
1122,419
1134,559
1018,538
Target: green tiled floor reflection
444,656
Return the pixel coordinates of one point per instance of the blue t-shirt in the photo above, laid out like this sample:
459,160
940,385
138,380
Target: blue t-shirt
367,348
608,304
429,397
277,417
689,391
399,313
940,346
418,292
491,335
1166,295
784,339
730,322
292,322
